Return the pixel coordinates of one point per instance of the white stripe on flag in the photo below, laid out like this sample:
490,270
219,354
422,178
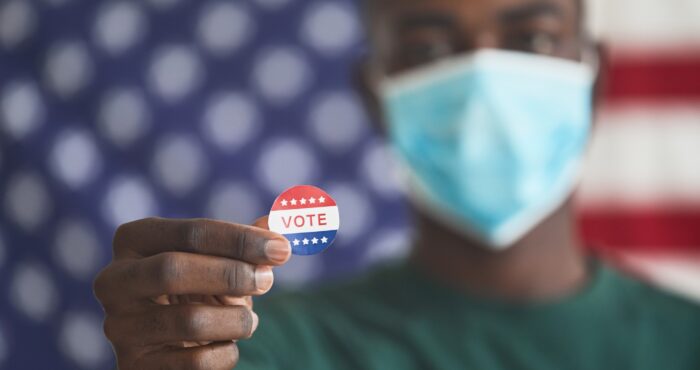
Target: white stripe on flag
646,23
643,156
305,220
678,272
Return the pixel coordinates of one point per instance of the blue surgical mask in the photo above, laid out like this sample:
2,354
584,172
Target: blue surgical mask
493,141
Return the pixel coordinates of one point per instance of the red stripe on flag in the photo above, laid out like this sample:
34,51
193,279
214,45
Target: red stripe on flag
658,76
642,229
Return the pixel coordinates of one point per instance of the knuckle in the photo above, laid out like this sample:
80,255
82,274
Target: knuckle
111,328
99,285
112,285
170,268
239,277
122,232
231,278
120,237
242,238
219,357
199,361
103,286
194,321
152,324
194,234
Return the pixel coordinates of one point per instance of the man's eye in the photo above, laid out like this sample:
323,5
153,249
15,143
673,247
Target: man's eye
536,42
425,52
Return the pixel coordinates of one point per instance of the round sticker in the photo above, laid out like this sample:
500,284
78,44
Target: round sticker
307,216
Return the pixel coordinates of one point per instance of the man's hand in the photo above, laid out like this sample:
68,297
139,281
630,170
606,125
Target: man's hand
177,293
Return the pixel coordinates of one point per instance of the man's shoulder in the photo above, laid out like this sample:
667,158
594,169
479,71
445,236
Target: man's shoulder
653,300
664,325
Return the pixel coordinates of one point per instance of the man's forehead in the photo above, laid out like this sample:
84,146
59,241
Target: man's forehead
388,19
391,7
381,13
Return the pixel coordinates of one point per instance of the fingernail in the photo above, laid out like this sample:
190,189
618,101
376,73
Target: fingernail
263,278
255,322
277,251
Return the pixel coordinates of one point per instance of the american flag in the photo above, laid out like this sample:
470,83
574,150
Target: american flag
113,110
640,199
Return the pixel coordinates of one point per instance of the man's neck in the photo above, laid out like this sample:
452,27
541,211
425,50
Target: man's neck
546,264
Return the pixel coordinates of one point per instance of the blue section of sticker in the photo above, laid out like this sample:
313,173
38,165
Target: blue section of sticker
305,244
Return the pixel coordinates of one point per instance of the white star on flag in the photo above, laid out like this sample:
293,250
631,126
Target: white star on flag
314,241
305,241
322,200
293,202
284,202
312,200
324,240
295,242
303,201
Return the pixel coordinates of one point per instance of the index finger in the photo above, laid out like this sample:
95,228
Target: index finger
262,223
152,236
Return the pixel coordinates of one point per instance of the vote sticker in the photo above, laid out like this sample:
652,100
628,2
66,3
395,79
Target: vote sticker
307,216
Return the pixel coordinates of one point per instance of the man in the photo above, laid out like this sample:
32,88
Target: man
488,104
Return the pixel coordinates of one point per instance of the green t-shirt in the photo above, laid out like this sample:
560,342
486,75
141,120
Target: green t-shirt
396,318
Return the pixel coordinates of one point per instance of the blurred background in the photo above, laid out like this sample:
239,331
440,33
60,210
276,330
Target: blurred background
114,110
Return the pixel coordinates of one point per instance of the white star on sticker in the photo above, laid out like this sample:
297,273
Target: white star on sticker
303,201
322,200
314,241
324,240
284,202
295,242
293,202
312,200
305,241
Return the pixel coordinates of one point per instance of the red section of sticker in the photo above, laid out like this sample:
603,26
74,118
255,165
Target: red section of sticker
302,196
